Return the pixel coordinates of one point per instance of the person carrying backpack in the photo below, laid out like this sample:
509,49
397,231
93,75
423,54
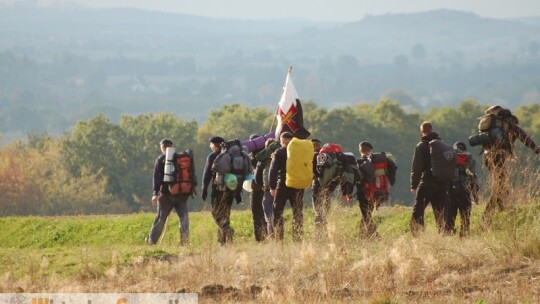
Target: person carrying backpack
221,201
256,198
332,169
289,186
462,188
433,167
378,173
174,181
264,158
497,132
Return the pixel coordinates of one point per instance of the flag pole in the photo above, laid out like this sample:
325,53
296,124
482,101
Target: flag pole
277,107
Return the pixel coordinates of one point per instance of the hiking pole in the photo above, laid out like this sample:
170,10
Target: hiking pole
277,108
164,230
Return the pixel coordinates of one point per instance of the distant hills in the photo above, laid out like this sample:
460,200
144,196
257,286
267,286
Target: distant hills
67,64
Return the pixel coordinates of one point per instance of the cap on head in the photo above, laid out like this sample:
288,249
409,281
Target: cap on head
460,145
365,145
166,142
216,140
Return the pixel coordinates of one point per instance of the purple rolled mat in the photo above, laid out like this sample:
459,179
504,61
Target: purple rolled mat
257,143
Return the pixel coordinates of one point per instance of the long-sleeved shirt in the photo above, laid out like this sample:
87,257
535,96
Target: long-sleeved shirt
208,175
159,166
421,165
278,169
516,132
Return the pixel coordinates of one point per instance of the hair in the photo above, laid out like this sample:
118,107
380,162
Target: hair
426,127
286,135
268,142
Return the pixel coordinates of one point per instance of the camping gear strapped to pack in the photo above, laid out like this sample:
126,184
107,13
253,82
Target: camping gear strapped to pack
335,165
464,169
493,127
299,172
180,172
443,160
233,160
378,175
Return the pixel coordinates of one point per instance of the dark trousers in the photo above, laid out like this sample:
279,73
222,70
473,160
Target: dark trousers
257,211
221,212
321,203
436,194
368,228
165,205
460,200
497,164
296,198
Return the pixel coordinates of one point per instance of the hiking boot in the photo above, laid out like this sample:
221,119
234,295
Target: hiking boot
229,233
147,241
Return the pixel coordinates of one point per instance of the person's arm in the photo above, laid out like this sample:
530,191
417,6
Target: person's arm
207,174
418,167
157,180
525,139
275,167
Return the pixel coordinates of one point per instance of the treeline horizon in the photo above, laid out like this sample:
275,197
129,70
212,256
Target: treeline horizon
103,167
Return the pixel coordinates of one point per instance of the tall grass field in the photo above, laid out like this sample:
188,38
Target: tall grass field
108,254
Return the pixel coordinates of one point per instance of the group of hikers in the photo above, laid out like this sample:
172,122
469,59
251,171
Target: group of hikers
279,171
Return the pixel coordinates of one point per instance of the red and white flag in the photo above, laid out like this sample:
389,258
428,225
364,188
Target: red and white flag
289,113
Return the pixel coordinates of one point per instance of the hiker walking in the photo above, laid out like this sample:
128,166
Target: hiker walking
498,130
463,187
424,184
256,199
221,201
174,181
281,192
378,173
332,169
264,158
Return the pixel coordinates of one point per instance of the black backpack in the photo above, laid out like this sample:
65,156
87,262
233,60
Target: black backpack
443,160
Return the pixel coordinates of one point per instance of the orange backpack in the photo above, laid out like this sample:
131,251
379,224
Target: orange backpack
185,180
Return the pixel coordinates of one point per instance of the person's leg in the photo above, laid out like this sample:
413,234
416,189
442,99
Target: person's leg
465,207
259,223
221,210
268,202
417,219
279,206
164,207
451,211
440,201
366,224
182,210
500,185
296,198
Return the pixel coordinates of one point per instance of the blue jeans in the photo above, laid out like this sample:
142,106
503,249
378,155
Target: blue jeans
164,206
268,208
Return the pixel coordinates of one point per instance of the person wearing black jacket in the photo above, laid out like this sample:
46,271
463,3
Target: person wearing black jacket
221,200
424,186
256,200
165,201
282,193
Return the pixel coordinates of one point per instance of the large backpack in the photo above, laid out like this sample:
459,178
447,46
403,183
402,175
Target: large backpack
329,166
464,169
299,172
185,179
443,160
493,127
234,160
378,176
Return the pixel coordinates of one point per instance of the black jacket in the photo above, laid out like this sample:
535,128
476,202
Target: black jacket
159,166
278,169
421,165
208,174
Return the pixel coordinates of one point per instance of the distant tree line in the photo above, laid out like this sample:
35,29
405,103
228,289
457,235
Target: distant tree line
106,167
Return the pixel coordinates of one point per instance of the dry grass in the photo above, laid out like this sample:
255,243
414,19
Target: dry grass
501,265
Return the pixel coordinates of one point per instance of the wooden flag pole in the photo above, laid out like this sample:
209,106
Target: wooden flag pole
277,108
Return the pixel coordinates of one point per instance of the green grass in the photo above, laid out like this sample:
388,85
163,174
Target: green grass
69,244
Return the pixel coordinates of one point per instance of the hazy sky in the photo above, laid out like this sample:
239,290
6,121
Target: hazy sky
328,10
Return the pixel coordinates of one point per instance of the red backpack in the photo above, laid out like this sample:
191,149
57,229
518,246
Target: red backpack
377,176
185,180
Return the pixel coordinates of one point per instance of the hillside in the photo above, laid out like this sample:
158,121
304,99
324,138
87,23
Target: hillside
105,254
